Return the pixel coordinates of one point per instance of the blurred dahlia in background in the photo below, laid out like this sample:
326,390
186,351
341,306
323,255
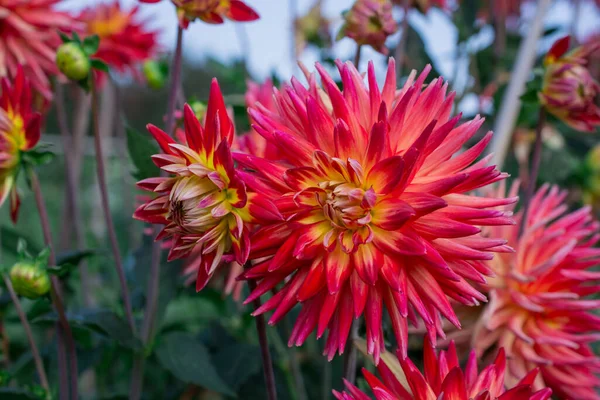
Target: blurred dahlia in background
29,37
125,41
540,309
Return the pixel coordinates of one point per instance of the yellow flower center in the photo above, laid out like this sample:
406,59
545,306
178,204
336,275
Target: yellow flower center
107,27
12,138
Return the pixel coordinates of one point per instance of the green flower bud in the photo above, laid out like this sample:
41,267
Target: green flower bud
72,61
199,109
155,74
30,280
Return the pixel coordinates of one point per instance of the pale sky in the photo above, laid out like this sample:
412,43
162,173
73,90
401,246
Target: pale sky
271,37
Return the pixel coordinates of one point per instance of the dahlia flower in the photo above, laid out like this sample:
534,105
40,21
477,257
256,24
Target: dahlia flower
377,206
203,204
569,91
124,43
211,11
369,22
444,379
539,309
312,28
29,38
19,132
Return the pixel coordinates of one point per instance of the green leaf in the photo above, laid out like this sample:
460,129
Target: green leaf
64,37
16,394
91,44
38,157
237,363
73,257
141,148
99,65
188,360
104,322
76,38
530,97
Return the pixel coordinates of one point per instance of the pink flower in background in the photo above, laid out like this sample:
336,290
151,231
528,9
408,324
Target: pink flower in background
376,194
569,91
443,379
125,42
29,37
540,310
369,22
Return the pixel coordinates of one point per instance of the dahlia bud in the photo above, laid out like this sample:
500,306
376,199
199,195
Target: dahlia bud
369,22
155,74
568,90
199,109
30,279
72,61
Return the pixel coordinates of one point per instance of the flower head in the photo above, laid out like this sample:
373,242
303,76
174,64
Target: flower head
29,38
444,379
569,91
539,309
369,22
203,204
124,42
211,11
376,204
19,132
29,279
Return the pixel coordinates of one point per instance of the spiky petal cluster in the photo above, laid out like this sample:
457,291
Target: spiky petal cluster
19,132
124,42
539,309
377,206
203,205
569,91
444,379
369,22
29,38
211,11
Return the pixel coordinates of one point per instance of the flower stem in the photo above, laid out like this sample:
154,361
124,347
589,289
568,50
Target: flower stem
294,363
137,373
402,43
350,354
535,168
357,55
65,335
175,78
37,359
71,192
101,172
261,329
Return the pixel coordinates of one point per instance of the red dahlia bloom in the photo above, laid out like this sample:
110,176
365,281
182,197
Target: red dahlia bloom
444,379
203,205
124,42
377,207
539,309
29,38
19,132
211,11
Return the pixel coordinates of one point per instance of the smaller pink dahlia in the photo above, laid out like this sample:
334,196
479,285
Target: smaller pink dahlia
443,379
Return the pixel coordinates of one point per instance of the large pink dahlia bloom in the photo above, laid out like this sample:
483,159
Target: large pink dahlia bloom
377,204
540,310
29,38
443,379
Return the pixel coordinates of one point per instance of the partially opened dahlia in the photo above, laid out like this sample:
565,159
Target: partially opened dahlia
540,310
443,379
377,204
29,38
124,40
203,205
19,132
